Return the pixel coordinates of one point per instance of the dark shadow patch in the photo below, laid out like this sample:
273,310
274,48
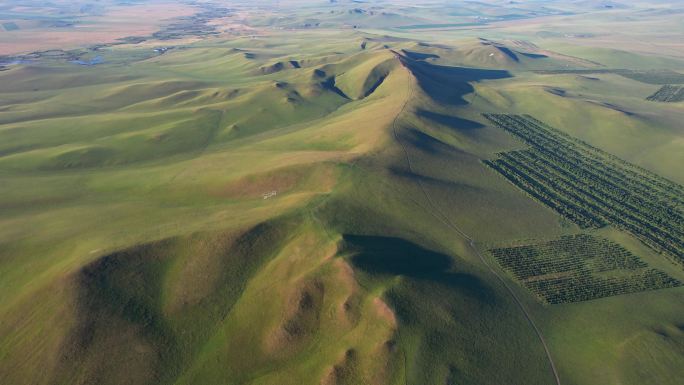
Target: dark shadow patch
583,77
424,142
448,85
319,73
449,121
533,55
434,45
508,52
374,86
395,256
613,107
276,67
329,84
432,180
419,55
556,91
455,375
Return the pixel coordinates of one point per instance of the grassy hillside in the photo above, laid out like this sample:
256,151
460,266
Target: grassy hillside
318,206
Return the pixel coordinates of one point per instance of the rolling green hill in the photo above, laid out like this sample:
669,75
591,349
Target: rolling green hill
329,205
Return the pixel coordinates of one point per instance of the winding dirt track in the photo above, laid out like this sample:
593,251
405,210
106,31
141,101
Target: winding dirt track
435,212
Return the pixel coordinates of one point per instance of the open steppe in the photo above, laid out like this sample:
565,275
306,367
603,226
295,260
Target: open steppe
305,192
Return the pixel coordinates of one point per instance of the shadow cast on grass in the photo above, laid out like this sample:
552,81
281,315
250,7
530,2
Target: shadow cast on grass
424,142
378,255
448,120
448,85
419,55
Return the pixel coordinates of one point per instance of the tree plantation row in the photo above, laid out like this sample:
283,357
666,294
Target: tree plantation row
579,268
668,94
592,188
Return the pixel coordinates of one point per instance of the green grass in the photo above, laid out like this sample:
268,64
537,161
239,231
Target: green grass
135,234
649,77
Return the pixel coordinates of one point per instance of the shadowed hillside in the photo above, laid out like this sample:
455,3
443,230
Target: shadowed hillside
448,85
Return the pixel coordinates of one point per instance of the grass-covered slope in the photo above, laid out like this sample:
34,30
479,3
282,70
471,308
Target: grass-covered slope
276,211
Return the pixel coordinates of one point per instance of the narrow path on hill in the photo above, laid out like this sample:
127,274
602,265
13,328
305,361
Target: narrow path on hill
435,212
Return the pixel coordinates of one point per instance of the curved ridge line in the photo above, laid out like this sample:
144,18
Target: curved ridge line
471,242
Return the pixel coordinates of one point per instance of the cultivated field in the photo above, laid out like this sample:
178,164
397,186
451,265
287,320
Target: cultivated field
593,188
580,268
668,93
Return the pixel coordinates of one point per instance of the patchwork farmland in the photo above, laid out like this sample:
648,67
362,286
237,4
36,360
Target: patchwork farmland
668,93
579,268
590,187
